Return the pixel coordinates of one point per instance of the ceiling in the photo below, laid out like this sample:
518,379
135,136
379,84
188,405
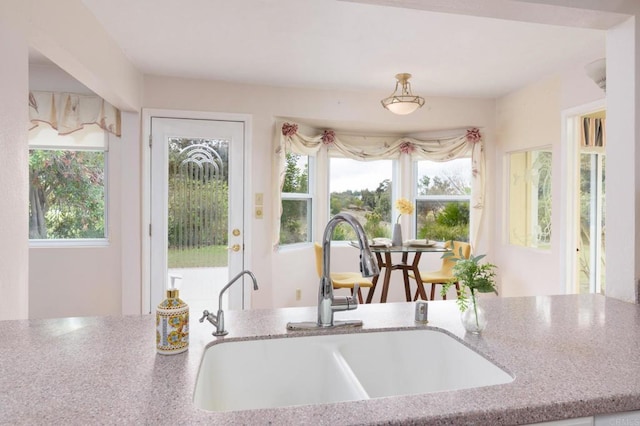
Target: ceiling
331,44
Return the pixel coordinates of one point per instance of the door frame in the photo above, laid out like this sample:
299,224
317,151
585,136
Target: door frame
147,114
569,176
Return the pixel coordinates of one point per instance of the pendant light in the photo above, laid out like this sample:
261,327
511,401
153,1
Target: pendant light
402,102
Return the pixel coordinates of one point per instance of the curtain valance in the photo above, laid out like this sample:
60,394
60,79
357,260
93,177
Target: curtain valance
365,148
70,112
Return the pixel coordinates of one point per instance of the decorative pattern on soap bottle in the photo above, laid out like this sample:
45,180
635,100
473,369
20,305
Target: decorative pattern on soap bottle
172,325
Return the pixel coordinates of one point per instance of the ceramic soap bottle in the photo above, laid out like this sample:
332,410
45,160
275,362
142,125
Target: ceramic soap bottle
172,323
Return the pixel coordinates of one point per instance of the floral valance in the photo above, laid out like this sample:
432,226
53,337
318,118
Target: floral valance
375,147
364,148
70,112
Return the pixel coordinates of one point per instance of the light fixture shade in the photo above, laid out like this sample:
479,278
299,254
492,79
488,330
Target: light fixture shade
597,71
405,102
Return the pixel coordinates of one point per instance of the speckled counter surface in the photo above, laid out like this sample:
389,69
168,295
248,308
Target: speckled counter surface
572,356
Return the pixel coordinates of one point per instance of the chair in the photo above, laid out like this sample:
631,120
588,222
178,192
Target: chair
343,279
445,273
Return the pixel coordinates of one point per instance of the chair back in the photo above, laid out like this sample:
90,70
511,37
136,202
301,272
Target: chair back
318,250
447,263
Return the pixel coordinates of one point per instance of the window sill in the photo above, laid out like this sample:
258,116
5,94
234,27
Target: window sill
79,243
293,247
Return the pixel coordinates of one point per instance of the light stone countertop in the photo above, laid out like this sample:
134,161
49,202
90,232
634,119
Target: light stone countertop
572,356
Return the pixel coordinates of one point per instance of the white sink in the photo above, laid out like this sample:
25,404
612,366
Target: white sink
269,373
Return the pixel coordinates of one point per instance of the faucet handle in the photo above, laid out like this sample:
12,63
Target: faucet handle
205,314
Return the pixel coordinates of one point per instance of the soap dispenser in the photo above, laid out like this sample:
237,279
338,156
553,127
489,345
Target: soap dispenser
172,322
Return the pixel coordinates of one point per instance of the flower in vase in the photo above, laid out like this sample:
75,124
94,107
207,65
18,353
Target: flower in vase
473,277
403,206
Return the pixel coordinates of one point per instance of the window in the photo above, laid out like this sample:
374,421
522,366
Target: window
363,189
297,202
67,191
364,175
530,198
443,193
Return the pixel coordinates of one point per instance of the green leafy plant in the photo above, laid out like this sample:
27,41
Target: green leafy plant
472,276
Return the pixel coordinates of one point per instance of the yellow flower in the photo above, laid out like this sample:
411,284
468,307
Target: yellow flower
404,206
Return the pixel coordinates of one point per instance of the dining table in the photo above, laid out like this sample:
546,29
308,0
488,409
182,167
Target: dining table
385,261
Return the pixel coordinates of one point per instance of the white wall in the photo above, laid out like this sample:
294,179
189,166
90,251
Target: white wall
14,171
82,281
68,34
131,213
623,161
531,118
281,273
105,280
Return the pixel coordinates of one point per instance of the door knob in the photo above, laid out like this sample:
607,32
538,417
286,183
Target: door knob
235,232
235,247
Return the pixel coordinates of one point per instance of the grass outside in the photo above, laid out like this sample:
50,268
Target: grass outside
201,257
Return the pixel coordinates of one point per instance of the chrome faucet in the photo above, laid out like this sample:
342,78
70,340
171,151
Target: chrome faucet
218,319
327,302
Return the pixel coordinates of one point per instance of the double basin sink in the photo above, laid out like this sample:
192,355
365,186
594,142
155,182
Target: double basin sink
327,368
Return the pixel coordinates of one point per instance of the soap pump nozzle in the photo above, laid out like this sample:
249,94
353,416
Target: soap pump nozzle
173,291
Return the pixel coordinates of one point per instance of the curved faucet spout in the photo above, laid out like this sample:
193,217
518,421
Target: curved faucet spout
327,303
218,319
233,280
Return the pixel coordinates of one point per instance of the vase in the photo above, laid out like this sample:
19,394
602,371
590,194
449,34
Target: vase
396,236
474,318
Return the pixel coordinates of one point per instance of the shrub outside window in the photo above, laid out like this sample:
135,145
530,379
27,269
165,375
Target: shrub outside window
443,194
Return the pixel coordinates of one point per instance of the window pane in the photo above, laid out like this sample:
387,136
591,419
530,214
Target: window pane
591,255
444,178
443,220
295,223
296,178
442,206
530,198
66,194
363,189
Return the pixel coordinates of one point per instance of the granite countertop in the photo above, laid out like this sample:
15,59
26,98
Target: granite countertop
571,356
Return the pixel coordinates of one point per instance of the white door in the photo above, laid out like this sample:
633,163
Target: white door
197,212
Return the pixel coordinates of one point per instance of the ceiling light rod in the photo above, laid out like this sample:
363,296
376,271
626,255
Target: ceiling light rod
405,102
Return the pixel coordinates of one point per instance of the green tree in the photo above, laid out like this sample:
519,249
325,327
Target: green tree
423,185
448,183
383,199
293,227
295,180
66,194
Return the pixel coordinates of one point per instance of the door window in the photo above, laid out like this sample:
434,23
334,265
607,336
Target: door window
197,212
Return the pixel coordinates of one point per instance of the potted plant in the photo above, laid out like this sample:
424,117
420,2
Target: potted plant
474,277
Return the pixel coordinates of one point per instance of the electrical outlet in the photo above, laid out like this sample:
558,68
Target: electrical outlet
298,294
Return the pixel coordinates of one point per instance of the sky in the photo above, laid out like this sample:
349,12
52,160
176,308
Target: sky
345,174
348,174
